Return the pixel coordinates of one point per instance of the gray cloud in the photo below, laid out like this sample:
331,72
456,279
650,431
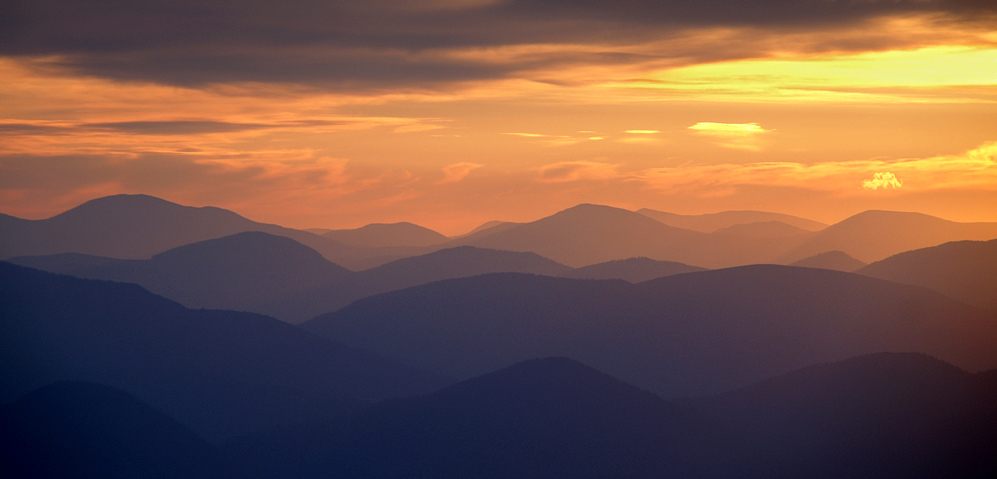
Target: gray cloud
176,127
375,44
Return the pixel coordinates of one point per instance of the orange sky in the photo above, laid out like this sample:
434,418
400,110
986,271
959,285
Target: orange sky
889,108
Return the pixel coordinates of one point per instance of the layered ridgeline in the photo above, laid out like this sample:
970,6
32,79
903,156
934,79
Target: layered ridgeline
964,270
140,226
277,276
883,415
587,234
220,373
682,335
833,260
725,220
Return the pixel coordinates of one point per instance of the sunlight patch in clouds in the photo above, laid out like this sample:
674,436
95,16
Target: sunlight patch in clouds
975,169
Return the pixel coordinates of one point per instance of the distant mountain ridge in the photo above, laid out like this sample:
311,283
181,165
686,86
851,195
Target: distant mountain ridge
874,235
554,417
711,222
377,235
140,226
964,270
833,260
219,372
688,334
273,275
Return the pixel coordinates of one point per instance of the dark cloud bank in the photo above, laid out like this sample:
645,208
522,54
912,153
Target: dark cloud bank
362,45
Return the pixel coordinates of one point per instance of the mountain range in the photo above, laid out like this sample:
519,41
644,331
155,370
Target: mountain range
219,372
683,335
140,226
274,275
883,415
153,340
964,270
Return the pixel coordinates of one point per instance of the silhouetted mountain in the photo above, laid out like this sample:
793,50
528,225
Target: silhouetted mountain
880,415
488,228
688,334
219,372
714,221
244,272
588,234
834,260
386,235
127,226
964,270
762,229
459,262
542,418
276,276
633,270
875,235
80,430
139,226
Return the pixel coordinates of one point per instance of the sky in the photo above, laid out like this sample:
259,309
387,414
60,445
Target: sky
452,113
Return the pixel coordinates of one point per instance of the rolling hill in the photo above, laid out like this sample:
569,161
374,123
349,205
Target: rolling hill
220,373
881,415
379,235
683,335
711,222
964,270
632,270
548,417
833,260
875,235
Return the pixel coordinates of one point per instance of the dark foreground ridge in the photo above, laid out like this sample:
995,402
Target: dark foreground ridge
882,415
221,373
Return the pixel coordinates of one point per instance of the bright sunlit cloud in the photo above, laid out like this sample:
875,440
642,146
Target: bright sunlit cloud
976,169
883,180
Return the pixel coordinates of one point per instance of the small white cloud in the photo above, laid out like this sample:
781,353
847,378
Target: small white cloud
883,180
741,136
457,171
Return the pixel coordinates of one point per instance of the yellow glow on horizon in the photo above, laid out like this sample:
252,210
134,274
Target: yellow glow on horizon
876,76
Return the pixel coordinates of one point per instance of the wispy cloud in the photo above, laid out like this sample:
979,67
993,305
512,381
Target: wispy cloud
457,172
577,170
975,169
742,136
